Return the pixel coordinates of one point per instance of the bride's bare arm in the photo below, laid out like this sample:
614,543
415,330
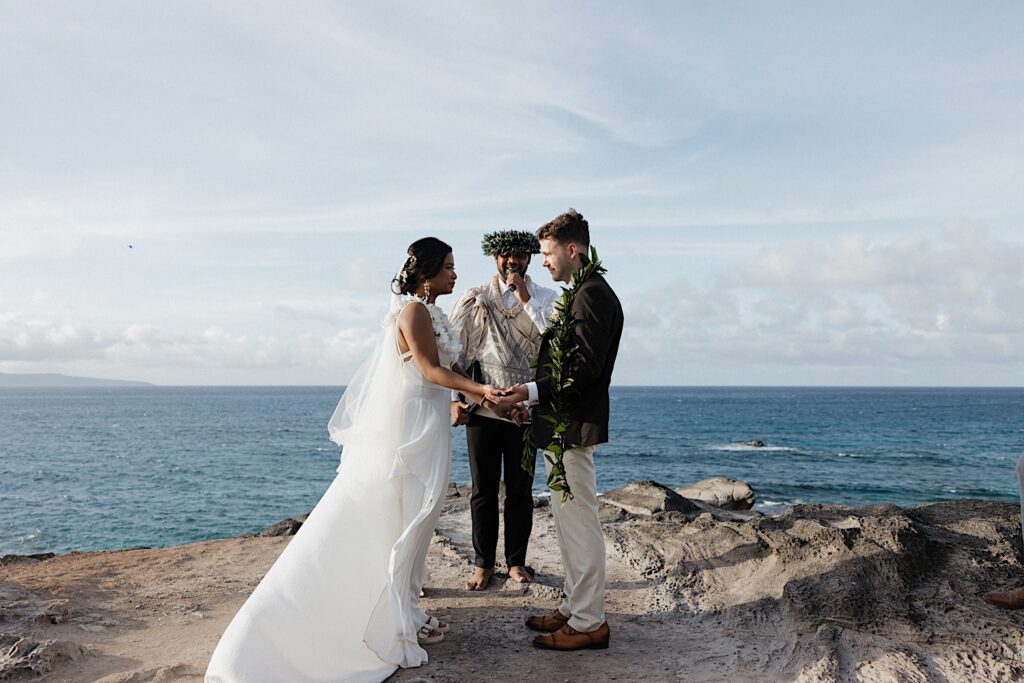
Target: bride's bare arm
416,334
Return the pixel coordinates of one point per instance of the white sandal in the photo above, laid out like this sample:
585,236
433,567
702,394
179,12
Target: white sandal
428,636
438,625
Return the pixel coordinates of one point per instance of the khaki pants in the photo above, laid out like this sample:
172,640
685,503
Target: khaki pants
581,541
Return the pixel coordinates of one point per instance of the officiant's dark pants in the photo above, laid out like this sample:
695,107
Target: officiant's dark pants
494,444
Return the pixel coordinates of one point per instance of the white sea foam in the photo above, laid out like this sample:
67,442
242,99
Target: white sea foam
747,447
775,507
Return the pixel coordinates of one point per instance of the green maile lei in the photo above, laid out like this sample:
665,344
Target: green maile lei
563,351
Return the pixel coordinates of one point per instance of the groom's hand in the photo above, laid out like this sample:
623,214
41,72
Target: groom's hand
521,414
516,412
500,409
460,413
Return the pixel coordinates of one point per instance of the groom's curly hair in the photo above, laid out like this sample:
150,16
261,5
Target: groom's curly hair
425,260
571,226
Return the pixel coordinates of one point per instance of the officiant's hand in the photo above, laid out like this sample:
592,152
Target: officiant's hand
460,413
514,279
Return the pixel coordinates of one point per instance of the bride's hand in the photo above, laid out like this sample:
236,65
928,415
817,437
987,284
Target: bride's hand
493,393
497,400
516,393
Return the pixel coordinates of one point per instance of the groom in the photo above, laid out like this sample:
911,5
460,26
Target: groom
579,622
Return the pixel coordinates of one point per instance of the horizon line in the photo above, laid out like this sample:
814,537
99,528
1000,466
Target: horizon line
153,385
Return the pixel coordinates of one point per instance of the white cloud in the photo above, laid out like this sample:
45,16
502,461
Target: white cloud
28,338
44,342
929,306
265,158
44,330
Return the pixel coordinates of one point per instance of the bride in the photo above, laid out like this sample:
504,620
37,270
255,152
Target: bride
341,602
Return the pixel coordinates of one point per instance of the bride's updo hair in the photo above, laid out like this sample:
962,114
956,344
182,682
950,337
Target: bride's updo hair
425,260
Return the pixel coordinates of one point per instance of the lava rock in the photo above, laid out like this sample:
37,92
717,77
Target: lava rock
647,497
721,492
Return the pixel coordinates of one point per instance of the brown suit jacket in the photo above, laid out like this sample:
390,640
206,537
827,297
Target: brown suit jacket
598,331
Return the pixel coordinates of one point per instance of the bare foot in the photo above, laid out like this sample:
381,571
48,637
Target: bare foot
521,574
481,577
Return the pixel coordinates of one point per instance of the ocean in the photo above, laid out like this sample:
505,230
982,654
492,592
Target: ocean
111,468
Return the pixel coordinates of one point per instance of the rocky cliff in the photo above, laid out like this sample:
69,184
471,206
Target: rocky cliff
695,593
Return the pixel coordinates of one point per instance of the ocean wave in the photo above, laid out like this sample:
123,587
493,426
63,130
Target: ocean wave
746,447
775,507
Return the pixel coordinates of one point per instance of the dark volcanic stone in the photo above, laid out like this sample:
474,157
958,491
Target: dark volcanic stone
286,527
7,560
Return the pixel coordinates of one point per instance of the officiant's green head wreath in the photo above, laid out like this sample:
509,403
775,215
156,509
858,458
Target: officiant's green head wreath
508,242
424,259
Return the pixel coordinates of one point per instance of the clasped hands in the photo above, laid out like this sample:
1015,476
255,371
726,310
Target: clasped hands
508,403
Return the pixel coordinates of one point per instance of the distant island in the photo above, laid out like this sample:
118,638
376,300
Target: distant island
52,379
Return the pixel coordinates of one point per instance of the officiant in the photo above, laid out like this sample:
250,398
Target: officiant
500,324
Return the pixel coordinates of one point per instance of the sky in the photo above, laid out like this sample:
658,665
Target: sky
800,193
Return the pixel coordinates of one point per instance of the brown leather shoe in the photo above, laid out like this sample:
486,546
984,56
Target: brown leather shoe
1013,599
568,638
547,623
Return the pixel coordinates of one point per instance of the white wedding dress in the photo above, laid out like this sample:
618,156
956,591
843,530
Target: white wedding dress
340,603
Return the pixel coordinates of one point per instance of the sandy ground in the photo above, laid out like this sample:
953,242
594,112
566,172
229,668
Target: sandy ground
823,593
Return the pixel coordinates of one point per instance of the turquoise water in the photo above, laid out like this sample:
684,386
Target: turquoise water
86,469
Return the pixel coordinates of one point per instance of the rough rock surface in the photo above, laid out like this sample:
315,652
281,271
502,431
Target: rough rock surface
821,593
646,498
721,492
22,658
15,559
829,593
286,527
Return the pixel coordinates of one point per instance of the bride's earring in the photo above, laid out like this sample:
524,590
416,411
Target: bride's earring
426,290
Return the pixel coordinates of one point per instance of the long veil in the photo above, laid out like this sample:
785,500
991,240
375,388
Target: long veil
394,468
340,601
366,412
